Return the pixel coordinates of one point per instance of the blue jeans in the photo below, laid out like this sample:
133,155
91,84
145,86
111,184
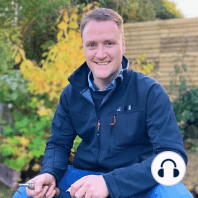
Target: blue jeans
72,175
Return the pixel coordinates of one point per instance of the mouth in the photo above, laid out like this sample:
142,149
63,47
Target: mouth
102,63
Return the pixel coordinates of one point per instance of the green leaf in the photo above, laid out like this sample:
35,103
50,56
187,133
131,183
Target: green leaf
23,123
14,96
184,66
8,130
7,150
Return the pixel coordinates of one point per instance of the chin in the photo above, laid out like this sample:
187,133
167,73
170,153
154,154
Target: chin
102,77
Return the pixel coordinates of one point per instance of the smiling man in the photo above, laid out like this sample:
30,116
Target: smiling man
104,48
124,118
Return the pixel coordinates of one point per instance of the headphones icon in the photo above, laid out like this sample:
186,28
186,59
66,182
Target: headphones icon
175,171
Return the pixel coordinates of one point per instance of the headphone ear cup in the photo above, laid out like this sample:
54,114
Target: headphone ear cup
161,172
176,172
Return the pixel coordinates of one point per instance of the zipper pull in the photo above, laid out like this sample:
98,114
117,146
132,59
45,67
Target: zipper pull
114,120
98,125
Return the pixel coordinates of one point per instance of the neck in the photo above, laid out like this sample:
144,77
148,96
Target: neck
102,83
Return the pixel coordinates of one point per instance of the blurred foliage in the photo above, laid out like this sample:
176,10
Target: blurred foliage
186,108
178,80
20,12
33,92
42,39
34,20
26,138
186,104
138,10
165,9
142,66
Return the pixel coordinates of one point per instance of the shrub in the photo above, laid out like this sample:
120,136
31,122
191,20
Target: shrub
186,108
33,92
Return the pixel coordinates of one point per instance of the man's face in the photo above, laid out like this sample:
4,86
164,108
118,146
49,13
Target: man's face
103,49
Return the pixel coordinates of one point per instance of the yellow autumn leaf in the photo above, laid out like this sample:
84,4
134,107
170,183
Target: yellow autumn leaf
59,35
24,141
62,26
36,167
18,59
89,6
73,25
42,111
75,10
65,17
22,51
74,17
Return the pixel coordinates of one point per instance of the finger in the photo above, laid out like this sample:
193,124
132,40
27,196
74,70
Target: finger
75,186
87,195
50,190
42,194
39,185
52,195
81,192
32,193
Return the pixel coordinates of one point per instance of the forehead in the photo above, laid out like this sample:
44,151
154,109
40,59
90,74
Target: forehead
100,30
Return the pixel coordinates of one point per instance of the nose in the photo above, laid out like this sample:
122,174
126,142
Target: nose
101,52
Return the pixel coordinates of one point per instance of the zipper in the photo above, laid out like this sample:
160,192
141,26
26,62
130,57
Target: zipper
98,136
99,122
98,125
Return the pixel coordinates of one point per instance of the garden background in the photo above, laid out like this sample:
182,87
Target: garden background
40,46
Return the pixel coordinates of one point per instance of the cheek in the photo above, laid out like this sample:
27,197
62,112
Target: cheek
117,52
88,55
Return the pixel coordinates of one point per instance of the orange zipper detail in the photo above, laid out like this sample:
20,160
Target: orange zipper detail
114,120
98,125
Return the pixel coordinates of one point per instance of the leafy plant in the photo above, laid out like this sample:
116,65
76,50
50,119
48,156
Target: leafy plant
142,66
138,10
178,80
186,108
33,92
25,138
186,104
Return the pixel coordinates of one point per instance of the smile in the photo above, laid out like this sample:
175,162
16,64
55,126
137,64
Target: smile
103,63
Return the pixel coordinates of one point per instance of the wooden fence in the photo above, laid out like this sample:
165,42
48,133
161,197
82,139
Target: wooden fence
167,43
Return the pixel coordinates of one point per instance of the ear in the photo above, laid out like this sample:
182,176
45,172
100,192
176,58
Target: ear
123,47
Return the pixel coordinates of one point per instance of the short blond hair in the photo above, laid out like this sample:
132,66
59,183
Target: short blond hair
103,14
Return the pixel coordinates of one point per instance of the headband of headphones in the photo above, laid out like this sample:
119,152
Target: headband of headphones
168,160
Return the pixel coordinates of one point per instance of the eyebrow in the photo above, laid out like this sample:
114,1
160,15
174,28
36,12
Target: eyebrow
107,40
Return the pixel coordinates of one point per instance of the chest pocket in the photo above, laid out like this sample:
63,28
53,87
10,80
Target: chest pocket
127,129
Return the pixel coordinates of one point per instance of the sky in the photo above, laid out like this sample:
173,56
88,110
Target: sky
188,7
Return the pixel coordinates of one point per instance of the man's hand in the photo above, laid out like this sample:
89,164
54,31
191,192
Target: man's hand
91,186
40,191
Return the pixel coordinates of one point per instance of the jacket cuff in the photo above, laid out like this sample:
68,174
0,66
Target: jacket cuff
111,185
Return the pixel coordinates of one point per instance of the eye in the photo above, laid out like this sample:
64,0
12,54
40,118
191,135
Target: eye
91,45
110,43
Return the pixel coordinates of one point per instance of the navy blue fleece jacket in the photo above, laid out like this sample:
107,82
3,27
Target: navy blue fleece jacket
144,125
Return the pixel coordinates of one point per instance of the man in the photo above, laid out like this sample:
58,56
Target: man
124,118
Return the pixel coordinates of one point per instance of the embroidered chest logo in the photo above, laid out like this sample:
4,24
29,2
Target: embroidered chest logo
124,108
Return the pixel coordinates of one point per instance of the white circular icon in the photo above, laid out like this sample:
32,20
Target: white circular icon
168,168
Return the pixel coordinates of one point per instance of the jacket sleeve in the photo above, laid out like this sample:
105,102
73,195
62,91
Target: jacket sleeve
58,148
164,135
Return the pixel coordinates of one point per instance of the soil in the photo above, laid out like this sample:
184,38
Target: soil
191,176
